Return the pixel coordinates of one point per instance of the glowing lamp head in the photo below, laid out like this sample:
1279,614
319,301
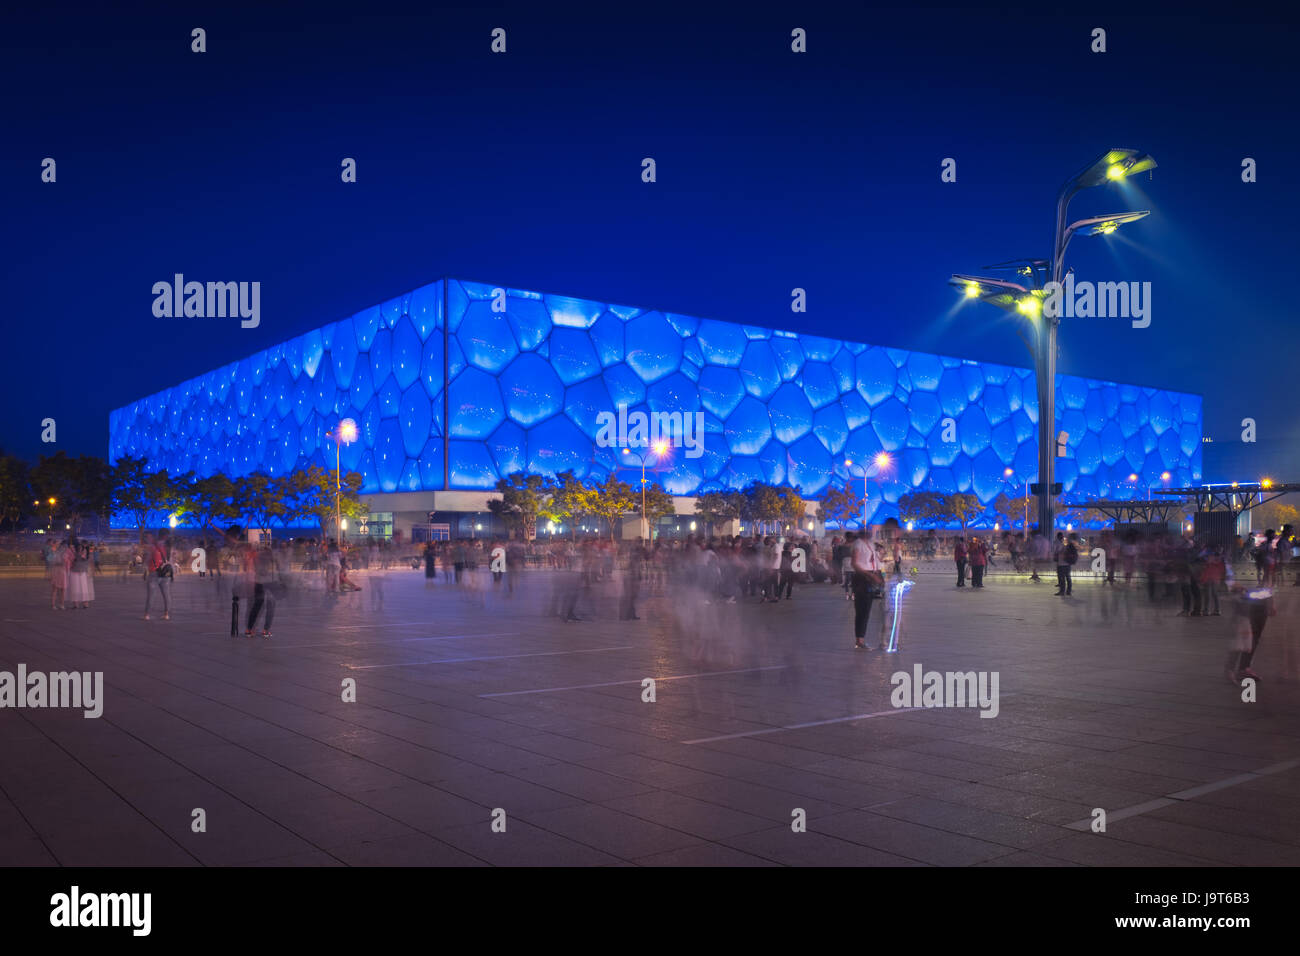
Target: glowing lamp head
52,500
972,290
1106,228
883,460
1008,472
661,447
1133,477
347,431
1267,483
1116,172
1029,306
1165,476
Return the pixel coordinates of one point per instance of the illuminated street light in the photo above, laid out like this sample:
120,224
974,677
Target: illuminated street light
882,461
1113,166
661,448
345,433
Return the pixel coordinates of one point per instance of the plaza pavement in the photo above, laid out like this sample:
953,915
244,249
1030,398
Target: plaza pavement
465,706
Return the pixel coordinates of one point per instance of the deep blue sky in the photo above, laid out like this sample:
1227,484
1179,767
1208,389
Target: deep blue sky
775,170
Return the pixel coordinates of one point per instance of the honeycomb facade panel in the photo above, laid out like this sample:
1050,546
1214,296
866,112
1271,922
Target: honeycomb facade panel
522,389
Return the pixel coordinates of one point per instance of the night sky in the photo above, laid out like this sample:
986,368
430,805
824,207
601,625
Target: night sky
775,170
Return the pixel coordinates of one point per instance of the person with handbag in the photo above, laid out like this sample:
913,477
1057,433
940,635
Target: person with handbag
157,574
868,578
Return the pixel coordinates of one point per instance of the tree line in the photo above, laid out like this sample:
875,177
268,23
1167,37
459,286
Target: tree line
525,500
85,486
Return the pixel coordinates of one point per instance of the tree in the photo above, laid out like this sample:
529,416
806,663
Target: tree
715,507
1274,514
793,507
658,504
136,491
15,490
209,500
611,500
260,499
523,498
922,506
79,486
962,508
570,500
1013,508
762,504
840,506
311,494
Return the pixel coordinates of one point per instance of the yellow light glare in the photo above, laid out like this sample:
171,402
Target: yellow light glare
972,290
661,447
1267,483
883,460
1116,171
1107,228
1164,476
1029,306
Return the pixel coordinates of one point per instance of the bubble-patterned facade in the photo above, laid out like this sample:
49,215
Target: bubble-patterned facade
451,393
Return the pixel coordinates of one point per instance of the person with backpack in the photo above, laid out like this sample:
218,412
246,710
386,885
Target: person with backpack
158,574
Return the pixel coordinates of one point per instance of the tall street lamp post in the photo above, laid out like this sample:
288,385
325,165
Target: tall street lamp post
1112,166
660,449
882,461
344,433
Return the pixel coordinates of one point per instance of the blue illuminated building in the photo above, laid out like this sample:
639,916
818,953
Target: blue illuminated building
450,394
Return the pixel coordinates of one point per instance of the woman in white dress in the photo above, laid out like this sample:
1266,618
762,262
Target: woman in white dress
77,577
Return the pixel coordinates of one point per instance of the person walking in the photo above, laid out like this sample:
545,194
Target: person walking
960,555
78,589
265,580
157,574
92,568
333,567
786,581
867,578
843,558
1067,555
57,562
1254,607
430,564
1214,572
978,554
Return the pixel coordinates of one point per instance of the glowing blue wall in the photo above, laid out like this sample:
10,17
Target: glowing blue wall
437,380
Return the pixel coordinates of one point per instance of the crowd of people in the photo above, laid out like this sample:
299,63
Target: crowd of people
1194,573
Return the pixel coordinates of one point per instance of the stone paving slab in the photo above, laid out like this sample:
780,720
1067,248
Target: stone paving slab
468,704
